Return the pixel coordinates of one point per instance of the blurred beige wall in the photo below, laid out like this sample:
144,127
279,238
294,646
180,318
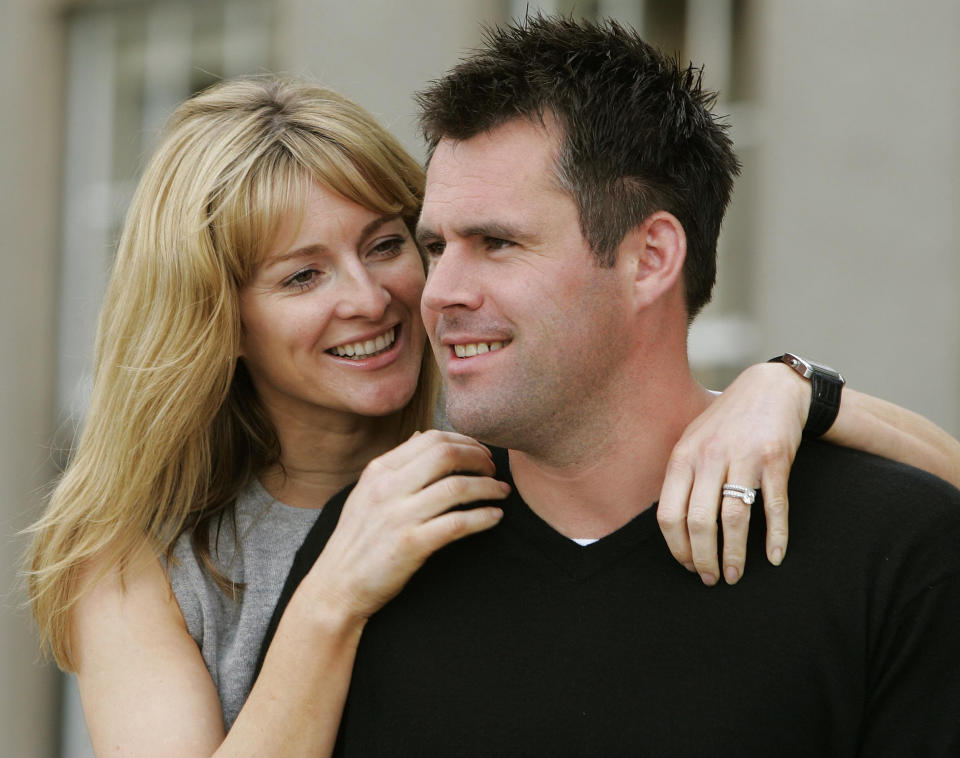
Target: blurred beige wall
31,99
380,52
858,214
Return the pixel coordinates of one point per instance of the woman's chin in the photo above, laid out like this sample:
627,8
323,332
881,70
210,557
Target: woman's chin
384,405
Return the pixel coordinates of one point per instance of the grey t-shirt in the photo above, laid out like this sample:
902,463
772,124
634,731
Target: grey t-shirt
230,632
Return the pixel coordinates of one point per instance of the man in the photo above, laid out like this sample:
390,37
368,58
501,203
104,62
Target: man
576,186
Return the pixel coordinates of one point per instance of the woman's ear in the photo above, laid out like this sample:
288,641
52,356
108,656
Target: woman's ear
654,253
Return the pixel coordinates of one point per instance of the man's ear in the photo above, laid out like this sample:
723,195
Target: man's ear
654,253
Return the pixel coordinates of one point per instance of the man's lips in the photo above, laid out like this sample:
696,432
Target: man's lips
470,337
471,349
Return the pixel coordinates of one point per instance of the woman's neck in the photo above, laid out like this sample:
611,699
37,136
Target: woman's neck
315,463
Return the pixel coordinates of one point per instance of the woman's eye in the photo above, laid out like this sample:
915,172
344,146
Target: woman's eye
302,279
387,248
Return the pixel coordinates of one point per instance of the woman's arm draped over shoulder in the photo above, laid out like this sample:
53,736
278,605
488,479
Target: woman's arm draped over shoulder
749,436
876,426
145,688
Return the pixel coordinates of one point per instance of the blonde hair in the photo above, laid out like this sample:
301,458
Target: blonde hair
175,429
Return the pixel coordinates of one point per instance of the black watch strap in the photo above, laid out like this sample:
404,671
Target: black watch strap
826,385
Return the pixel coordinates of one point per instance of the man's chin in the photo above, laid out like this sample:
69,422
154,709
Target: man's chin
478,422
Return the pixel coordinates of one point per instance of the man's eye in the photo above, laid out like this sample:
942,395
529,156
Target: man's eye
495,243
434,249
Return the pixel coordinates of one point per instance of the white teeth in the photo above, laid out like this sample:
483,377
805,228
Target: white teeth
475,348
366,348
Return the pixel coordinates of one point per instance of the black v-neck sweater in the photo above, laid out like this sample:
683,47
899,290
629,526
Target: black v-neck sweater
519,642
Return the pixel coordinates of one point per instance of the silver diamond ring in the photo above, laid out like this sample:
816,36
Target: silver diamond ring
746,494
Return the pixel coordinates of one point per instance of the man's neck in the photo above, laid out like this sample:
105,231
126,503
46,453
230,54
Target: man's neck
613,481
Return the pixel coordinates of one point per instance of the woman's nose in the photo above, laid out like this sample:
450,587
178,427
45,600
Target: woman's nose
361,295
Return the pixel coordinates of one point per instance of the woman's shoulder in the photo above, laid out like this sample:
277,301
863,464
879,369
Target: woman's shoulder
132,594
130,645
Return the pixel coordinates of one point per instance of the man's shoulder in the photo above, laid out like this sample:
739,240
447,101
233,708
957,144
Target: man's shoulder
854,498
845,472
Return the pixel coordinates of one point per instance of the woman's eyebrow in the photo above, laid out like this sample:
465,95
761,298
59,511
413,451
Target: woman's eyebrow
376,223
313,248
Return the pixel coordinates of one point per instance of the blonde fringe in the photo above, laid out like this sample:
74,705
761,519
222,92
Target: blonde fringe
173,433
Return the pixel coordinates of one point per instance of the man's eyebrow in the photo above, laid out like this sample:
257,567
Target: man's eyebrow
491,229
496,230
308,250
424,234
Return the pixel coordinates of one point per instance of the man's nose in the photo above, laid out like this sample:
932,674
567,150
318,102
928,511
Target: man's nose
453,280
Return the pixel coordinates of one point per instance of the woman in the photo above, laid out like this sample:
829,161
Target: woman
260,348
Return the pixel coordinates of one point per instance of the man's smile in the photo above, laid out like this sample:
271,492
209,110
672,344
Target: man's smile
471,349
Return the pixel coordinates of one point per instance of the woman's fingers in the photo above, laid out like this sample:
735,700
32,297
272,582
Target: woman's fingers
776,508
702,517
420,442
735,518
379,544
400,513
425,459
691,501
768,471
444,525
452,491
672,510
454,525
429,523
748,437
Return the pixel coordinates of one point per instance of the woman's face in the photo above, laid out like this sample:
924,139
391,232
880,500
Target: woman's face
331,319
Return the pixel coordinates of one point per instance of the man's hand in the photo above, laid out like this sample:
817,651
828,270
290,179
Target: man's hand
748,437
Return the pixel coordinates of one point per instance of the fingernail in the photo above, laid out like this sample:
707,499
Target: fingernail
731,574
709,579
776,557
689,567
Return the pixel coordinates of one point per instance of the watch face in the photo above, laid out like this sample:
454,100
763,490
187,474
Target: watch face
798,364
807,368
825,371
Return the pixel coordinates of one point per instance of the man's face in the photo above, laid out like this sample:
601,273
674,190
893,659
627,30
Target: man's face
525,326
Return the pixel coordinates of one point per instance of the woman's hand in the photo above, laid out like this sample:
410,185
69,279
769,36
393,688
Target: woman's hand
399,514
748,436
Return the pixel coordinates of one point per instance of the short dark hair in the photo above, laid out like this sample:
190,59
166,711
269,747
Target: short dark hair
638,134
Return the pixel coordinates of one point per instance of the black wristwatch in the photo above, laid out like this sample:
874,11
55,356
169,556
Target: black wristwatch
825,387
